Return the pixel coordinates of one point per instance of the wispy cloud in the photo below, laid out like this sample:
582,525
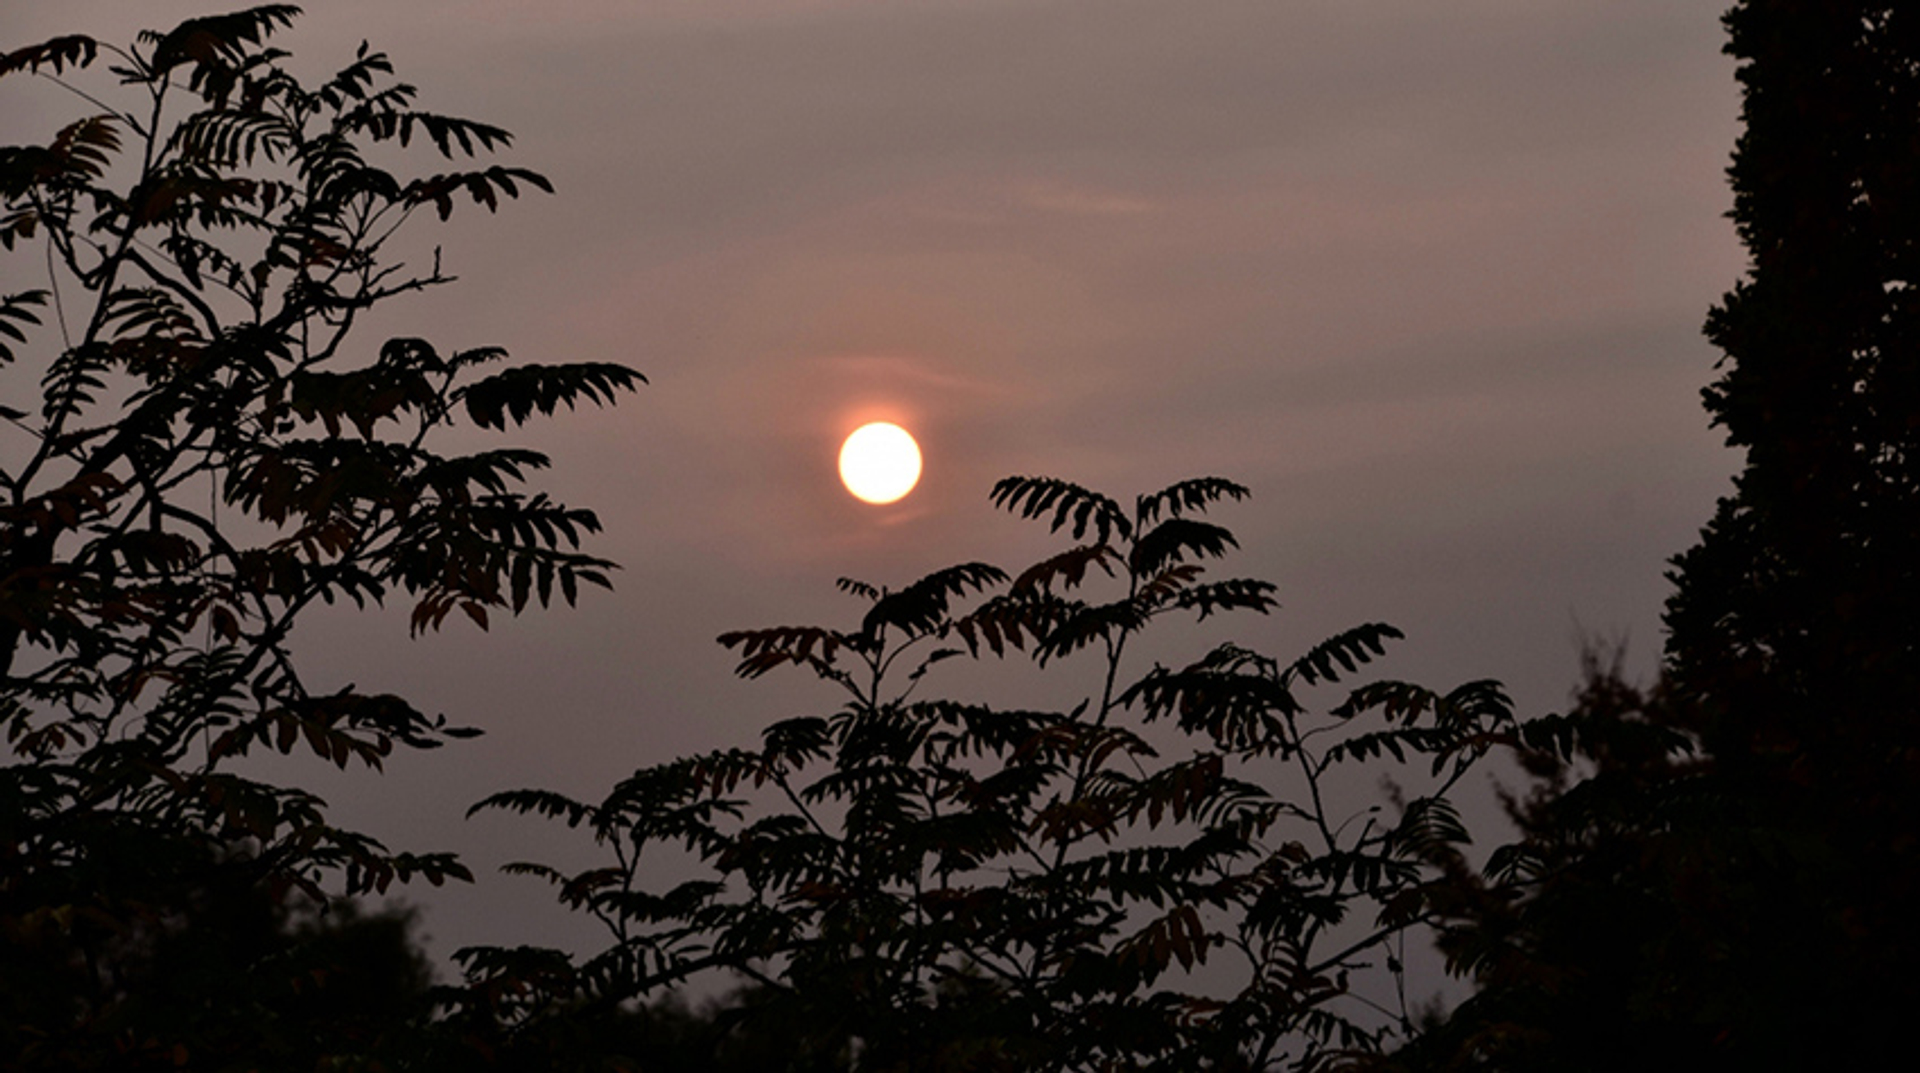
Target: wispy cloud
1079,200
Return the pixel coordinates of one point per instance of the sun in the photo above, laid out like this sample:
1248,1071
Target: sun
880,463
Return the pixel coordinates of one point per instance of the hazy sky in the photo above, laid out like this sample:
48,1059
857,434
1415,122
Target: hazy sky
1428,277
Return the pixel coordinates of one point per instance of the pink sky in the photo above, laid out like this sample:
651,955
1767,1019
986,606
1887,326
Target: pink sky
1428,278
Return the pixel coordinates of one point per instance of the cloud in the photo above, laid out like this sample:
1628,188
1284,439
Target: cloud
1072,200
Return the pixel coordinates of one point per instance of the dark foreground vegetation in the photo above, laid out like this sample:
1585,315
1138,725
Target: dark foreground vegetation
1170,871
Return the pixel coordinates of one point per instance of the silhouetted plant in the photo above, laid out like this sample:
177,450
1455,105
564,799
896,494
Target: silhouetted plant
1752,906
1795,643
1583,938
200,453
1157,877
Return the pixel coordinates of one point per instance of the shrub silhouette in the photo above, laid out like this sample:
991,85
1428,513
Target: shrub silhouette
210,452
1156,877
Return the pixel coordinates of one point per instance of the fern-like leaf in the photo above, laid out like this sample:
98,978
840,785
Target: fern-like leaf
1000,623
226,138
1481,703
1399,743
542,802
15,310
1348,649
1398,701
445,132
1194,495
1067,569
1513,863
215,38
858,588
1083,624
514,394
1175,541
1244,713
921,608
480,186
72,379
1428,826
355,81
1233,594
59,53
1032,497
763,650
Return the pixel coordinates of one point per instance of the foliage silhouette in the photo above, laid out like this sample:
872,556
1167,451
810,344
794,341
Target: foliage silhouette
1750,906
1793,635
1578,934
207,455
240,980
1157,877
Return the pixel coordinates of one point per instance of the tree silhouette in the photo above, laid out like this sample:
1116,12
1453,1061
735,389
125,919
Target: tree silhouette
1794,642
230,977
1793,628
1753,907
1168,874
199,451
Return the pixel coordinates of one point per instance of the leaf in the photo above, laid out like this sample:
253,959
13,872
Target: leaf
1429,825
1243,713
796,741
1174,541
921,608
514,395
15,309
1234,594
1397,701
1190,495
1068,568
1032,497
59,53
858,588
1566,737
1079,625
71,380
355,82
226,138
1514,862
1368,873
1349,649
538,871
1189,788
543,802
763,650
1396,742
445,131
1177,936
1483,702
1000,623
212,40
479,186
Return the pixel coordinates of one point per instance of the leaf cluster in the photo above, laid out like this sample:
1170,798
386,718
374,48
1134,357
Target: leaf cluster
202,450
1155,877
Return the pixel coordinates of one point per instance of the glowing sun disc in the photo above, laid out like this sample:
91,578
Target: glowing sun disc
879,463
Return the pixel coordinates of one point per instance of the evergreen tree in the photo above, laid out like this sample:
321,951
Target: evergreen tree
1794,642
1751,906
